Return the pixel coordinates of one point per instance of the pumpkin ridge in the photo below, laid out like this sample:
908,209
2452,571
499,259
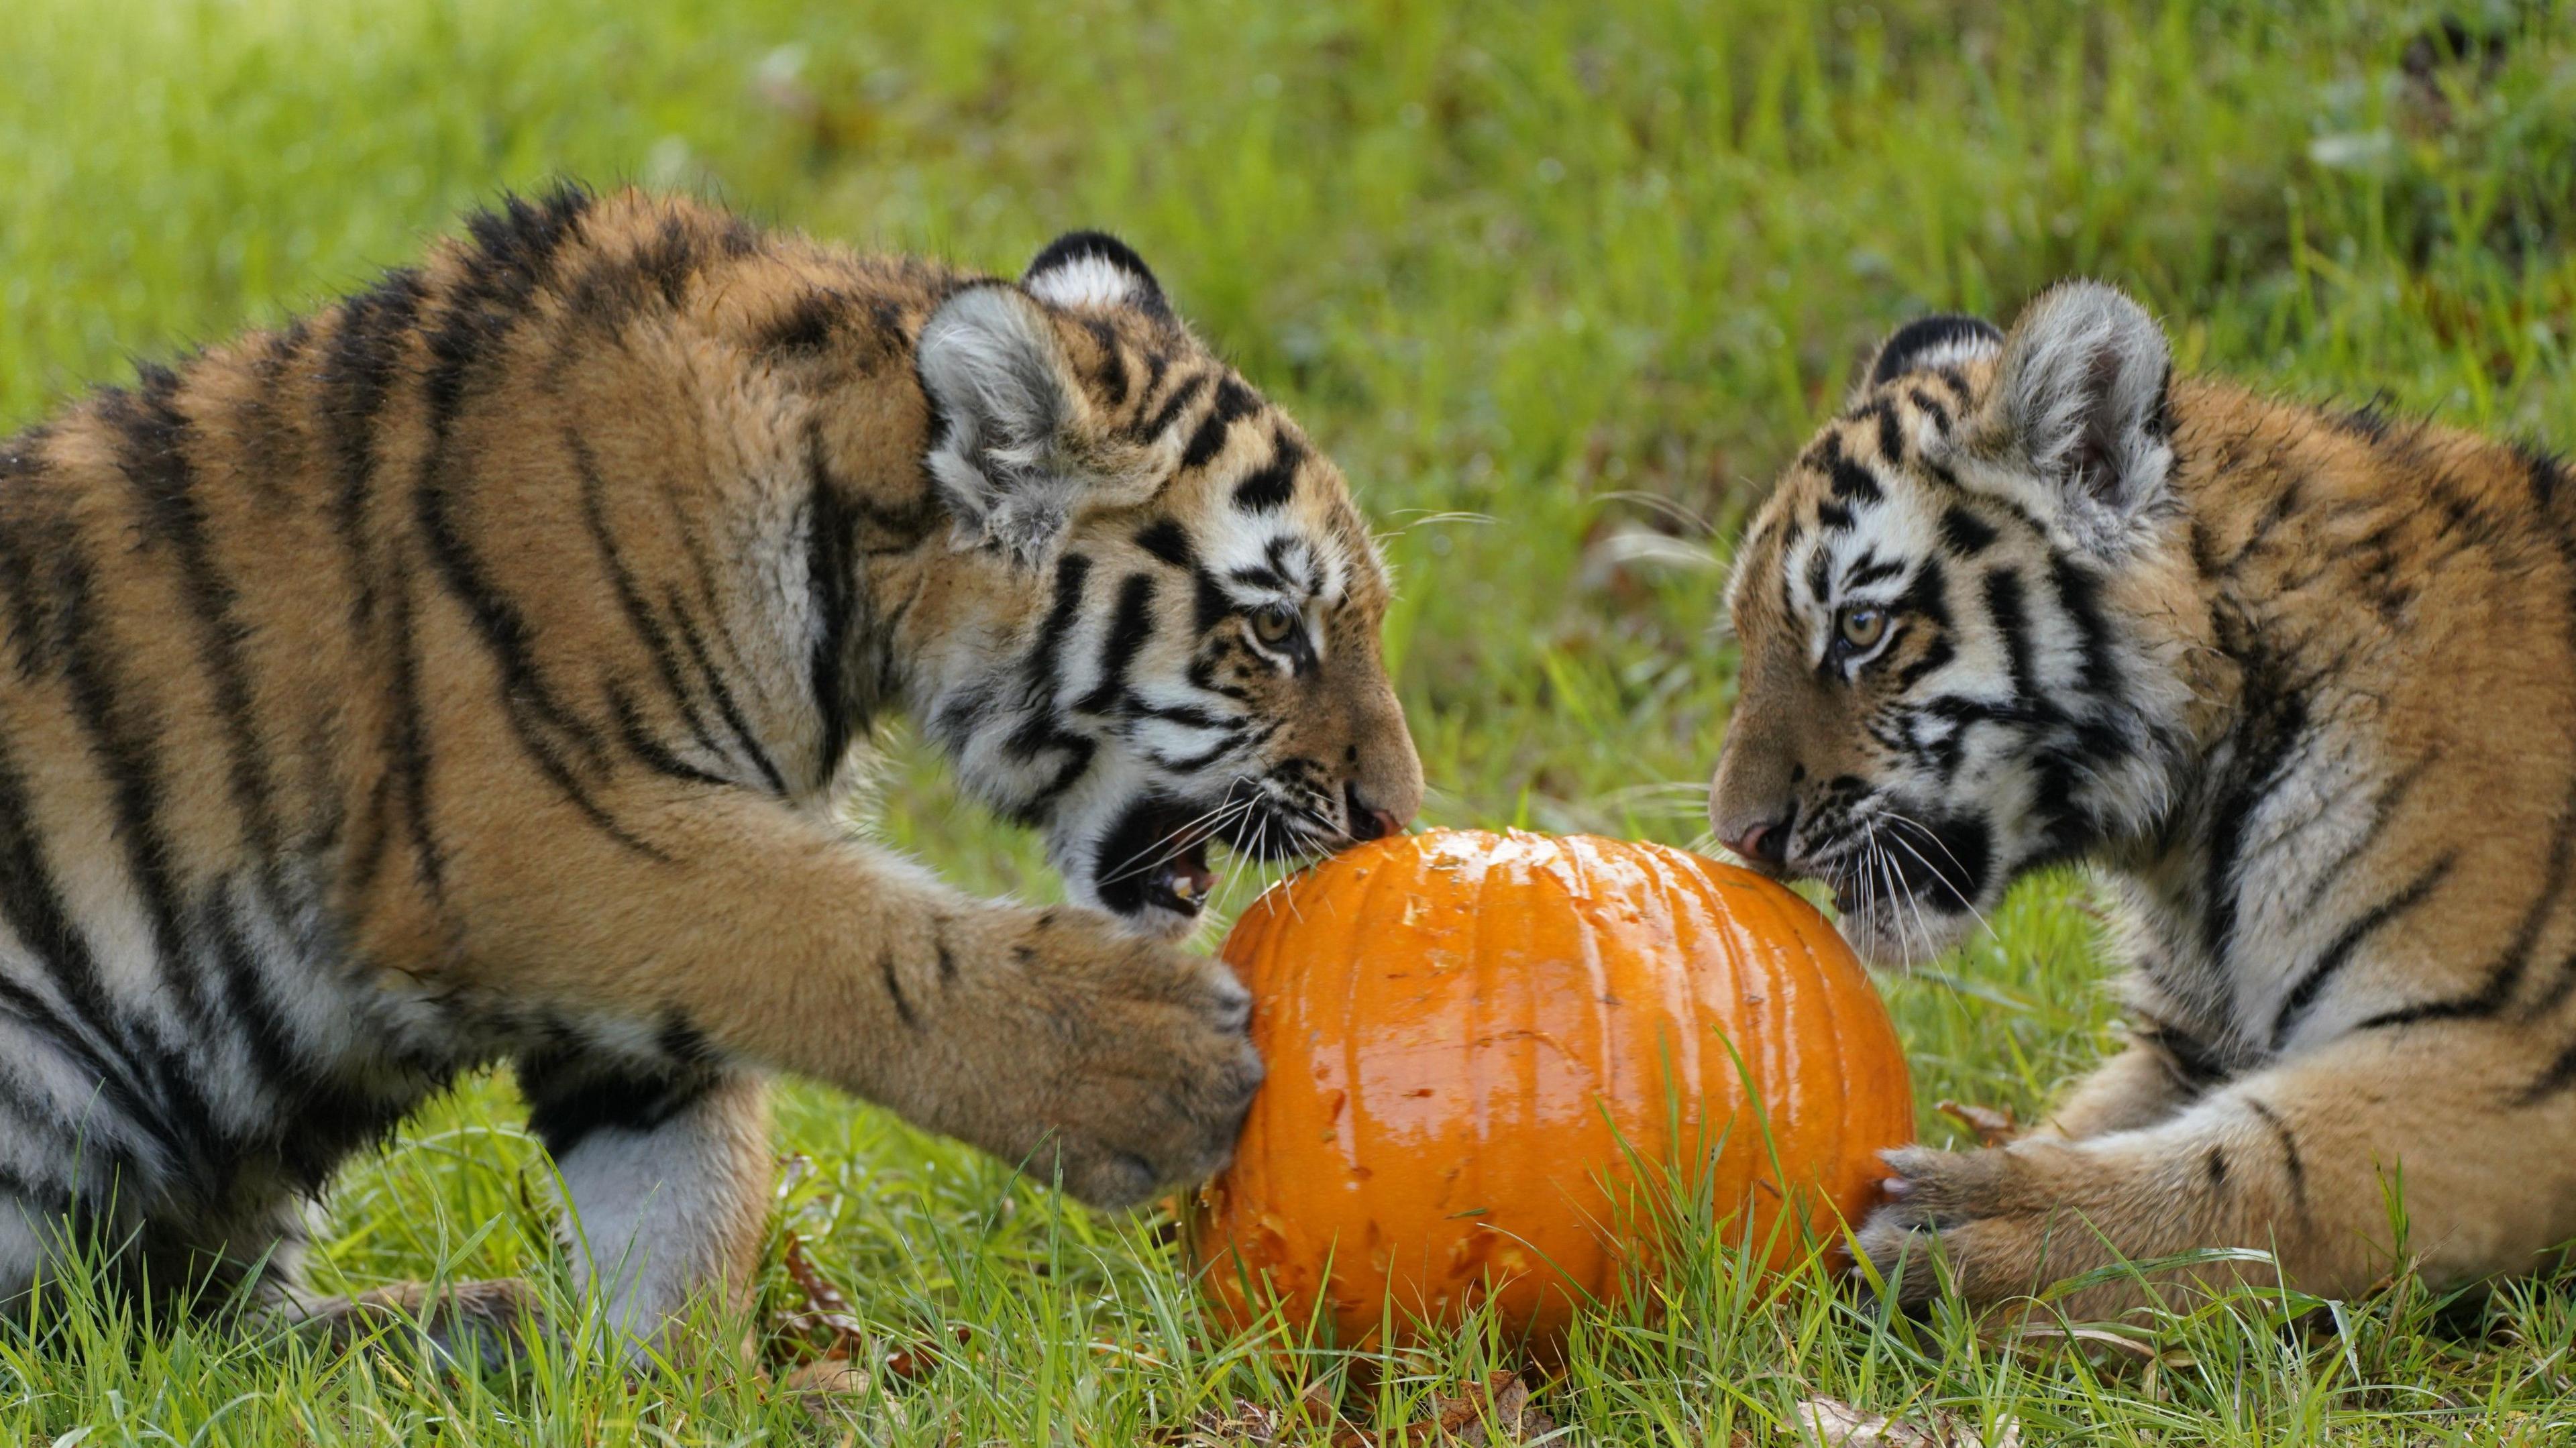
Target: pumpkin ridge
1607,1103
1360,1116
1831,1150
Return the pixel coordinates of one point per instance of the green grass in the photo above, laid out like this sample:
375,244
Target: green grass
1549,279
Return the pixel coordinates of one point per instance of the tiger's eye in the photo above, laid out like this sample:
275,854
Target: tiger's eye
1863,627
1272,623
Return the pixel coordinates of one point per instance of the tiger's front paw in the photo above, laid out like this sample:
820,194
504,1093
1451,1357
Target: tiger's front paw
1137,1072
1982,1217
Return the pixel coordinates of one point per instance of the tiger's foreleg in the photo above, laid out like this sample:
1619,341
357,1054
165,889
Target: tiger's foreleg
751,938
2139,1086
26,1242
2423,1146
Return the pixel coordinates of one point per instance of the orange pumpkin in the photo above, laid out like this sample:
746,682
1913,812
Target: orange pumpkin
1473,1039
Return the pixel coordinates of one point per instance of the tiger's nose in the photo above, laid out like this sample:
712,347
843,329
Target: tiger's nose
1765,843
1367,822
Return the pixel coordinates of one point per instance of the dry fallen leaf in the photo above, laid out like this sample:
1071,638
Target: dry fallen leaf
1993,1128
827,1311
832,1376
825,1308
1215,1427
1513,1420
911,1362
824,1388
1836,1424
1495,1414
1252,1425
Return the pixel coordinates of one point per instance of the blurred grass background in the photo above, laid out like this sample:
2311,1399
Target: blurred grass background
1560,284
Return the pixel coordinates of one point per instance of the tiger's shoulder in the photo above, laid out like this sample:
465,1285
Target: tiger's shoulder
2379,505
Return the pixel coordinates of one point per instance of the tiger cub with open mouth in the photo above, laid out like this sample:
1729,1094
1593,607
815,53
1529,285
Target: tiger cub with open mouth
469,672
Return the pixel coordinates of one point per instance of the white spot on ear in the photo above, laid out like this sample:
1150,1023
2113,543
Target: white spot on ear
1929,343
1956,352
1088,281
1092,269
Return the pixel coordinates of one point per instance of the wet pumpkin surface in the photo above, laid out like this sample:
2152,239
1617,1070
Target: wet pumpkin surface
1475,1040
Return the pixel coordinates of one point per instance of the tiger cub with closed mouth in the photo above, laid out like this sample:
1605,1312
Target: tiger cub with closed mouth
2300,685
470,672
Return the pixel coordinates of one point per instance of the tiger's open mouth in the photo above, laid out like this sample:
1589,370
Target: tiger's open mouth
1181,884
1156,859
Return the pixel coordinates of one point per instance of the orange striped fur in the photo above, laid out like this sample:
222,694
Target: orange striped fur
472,672
2301,686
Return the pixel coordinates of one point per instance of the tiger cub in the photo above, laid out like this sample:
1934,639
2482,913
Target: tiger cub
2301,685
469,673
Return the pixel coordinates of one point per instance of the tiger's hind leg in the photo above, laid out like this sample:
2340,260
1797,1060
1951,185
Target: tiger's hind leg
75,1173
238,1261
2441,1146
665,1175
666,1170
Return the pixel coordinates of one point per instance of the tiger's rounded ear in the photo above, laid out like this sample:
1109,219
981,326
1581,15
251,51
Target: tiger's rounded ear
1931,342
1093,269
1016,455
1006,409
2080,398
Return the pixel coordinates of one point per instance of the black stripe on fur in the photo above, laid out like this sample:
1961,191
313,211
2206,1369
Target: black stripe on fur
2338,953
831,586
